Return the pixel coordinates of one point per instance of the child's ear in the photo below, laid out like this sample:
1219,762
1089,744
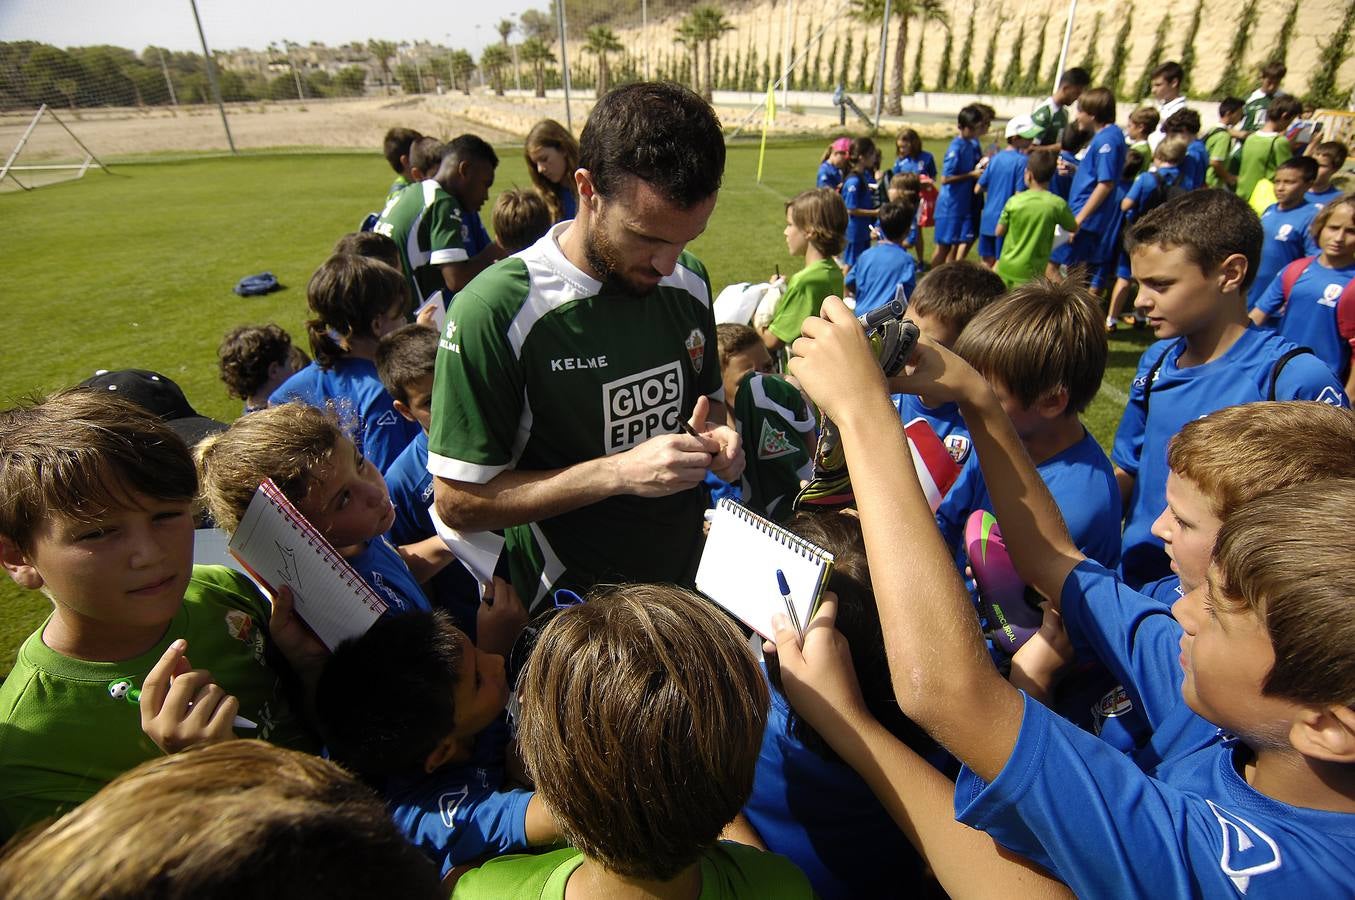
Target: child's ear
1231,273
17,565
403,409
1325,732
447,750
1054,405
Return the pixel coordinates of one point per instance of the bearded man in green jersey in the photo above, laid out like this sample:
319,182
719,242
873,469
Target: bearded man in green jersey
577,401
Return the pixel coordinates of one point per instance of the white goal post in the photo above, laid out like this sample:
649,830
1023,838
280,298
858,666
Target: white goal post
9,169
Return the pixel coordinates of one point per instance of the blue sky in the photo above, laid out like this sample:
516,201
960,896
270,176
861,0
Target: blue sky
254,23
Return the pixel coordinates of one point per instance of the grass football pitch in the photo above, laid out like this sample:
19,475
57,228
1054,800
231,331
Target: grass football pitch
134,269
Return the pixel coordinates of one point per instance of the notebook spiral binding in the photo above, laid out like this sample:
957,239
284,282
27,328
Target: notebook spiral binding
788,539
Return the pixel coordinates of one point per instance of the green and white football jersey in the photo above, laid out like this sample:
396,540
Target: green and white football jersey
425,223
542,367
1051,119
779,434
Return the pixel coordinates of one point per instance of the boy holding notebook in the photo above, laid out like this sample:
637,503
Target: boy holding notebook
96,510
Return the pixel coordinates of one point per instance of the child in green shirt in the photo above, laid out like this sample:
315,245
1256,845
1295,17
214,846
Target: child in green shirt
1264,150
816,228
1027,222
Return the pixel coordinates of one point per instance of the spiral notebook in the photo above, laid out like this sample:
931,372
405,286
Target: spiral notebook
739,564
276,544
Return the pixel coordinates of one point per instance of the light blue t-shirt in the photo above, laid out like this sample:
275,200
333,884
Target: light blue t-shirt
879,272
1286,238
1195,164
1145,186
1309,318
386,573
857,194
1322,198
1155,414
355,393
944,419
961,156
922,164
1103,163
829,176
1004,176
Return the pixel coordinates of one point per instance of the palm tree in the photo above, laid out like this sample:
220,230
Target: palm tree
600,41
535,53
505,28
460,64
493,60
703,26
382,51
905,11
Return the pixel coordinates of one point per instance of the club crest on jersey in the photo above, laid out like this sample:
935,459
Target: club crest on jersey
957,445
640,406
1247,850
696,349
1114,704
773,443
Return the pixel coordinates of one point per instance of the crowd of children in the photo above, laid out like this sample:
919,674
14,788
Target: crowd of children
1179,724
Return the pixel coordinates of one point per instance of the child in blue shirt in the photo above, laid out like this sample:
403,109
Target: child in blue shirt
325,476
912,159
887,266
1115,270
947,298
1003,177
1074,144
416,709
959,173
1286,224
1185,124
834,164
858,193
1094,184
354,300
1193,258
1309,308
1269,810
254,360
1330,156
404,361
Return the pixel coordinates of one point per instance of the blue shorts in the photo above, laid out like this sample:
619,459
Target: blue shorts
852,252
1122,269
990,246
1083,249
952,228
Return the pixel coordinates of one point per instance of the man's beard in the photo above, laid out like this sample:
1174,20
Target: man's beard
603,258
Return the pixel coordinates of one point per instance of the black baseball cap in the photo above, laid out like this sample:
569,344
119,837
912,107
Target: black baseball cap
160,395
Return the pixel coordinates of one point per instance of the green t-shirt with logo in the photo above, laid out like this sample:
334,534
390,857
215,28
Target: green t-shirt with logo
1219,143
542,367
1262,154
805,292
1051,119
729,871
1254,109
779,433
65,733
1030,217
425,223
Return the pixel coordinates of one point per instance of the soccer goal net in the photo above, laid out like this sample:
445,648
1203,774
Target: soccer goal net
41,149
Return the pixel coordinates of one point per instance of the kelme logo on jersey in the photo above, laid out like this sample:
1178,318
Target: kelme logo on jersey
641,406
696,349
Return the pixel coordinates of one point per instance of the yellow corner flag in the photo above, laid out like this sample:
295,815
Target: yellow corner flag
767,119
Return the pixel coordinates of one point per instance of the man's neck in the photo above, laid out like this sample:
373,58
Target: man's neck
1057,436
1290,777
591,881
1216,338
572,243
76,636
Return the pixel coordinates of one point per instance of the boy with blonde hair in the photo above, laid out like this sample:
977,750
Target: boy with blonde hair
816,228
96,510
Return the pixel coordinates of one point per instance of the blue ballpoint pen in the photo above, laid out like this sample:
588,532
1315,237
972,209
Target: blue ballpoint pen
785,595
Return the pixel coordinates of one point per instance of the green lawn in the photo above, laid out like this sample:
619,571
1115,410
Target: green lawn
135,269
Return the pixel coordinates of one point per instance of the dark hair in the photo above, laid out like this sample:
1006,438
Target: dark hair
970,117
1335,149
520,218
1170,70
245,354
1183,121
896,218
282,824
862,147
1210,225
956,291
80,453
1230,105
471,147
1274,69
660,133
426,155
345,294
396,145
371,244
733,338
1075,137
911,136
1282,107
1306,166
1042,338
1099,103
1041,165
1075,77
385,700
403,357
1133,164
858,619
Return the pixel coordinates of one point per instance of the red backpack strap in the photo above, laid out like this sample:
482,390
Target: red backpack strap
1345,314
1291,273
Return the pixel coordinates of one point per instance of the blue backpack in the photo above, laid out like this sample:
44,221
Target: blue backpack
253,285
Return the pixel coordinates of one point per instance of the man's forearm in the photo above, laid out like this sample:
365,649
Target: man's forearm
514,497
